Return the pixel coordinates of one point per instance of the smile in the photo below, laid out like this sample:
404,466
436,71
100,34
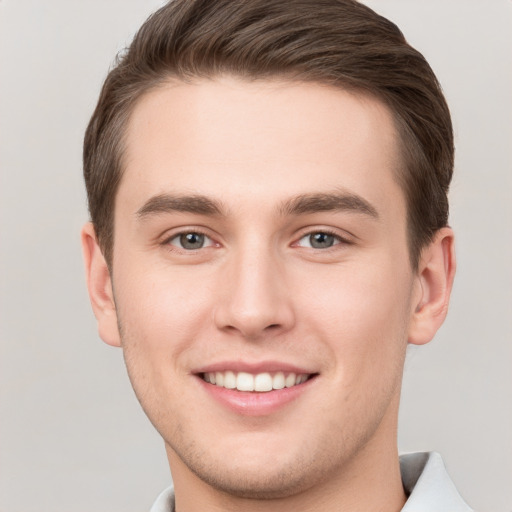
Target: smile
260,382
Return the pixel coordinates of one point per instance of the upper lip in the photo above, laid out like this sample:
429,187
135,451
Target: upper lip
253,367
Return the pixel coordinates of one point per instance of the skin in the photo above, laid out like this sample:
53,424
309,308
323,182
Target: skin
257,291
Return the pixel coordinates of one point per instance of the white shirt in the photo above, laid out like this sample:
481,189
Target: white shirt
424,478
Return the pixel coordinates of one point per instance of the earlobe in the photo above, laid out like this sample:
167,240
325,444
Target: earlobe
435,275
99,284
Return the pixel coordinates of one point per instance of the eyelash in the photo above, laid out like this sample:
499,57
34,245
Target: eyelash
339,240
167,242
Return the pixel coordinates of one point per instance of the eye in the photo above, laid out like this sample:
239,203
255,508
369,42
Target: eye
191,241
319,240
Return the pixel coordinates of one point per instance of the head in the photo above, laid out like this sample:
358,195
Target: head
342,44
267,183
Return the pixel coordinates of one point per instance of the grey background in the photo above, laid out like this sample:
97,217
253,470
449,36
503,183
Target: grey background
72,436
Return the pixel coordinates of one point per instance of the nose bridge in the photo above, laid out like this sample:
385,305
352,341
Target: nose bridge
255,301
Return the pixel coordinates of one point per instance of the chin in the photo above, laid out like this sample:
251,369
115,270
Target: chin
258,483
261,471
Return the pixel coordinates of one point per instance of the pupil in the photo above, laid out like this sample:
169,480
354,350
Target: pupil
192,241
321,240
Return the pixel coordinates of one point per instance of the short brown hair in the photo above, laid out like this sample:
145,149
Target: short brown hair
336,42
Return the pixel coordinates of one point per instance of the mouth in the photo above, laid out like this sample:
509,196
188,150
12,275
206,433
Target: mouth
257,383
257,389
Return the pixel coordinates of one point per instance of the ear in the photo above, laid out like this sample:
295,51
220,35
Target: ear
435,274
99,284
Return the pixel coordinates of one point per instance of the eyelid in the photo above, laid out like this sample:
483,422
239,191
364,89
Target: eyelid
341,238
208,241
170,235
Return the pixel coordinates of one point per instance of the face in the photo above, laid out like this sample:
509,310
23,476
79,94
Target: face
261,279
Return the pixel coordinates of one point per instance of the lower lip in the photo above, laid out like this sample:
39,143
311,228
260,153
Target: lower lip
254,403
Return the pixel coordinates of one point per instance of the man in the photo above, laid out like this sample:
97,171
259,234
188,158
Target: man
267,185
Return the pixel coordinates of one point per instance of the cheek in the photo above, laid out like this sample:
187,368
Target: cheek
380,296
363,312
160,313
361,319
159,316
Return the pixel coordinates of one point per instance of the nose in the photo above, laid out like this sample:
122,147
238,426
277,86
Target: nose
255,301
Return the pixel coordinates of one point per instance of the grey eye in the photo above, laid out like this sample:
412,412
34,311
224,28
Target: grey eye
319,240
191,241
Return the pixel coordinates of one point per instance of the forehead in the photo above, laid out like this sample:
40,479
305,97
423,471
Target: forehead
241,140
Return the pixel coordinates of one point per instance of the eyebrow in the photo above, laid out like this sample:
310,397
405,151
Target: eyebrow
324,202
167,203
300,205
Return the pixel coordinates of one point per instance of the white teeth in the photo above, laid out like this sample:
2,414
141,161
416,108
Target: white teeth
290,380
262,382
230,380
278,381
244,382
